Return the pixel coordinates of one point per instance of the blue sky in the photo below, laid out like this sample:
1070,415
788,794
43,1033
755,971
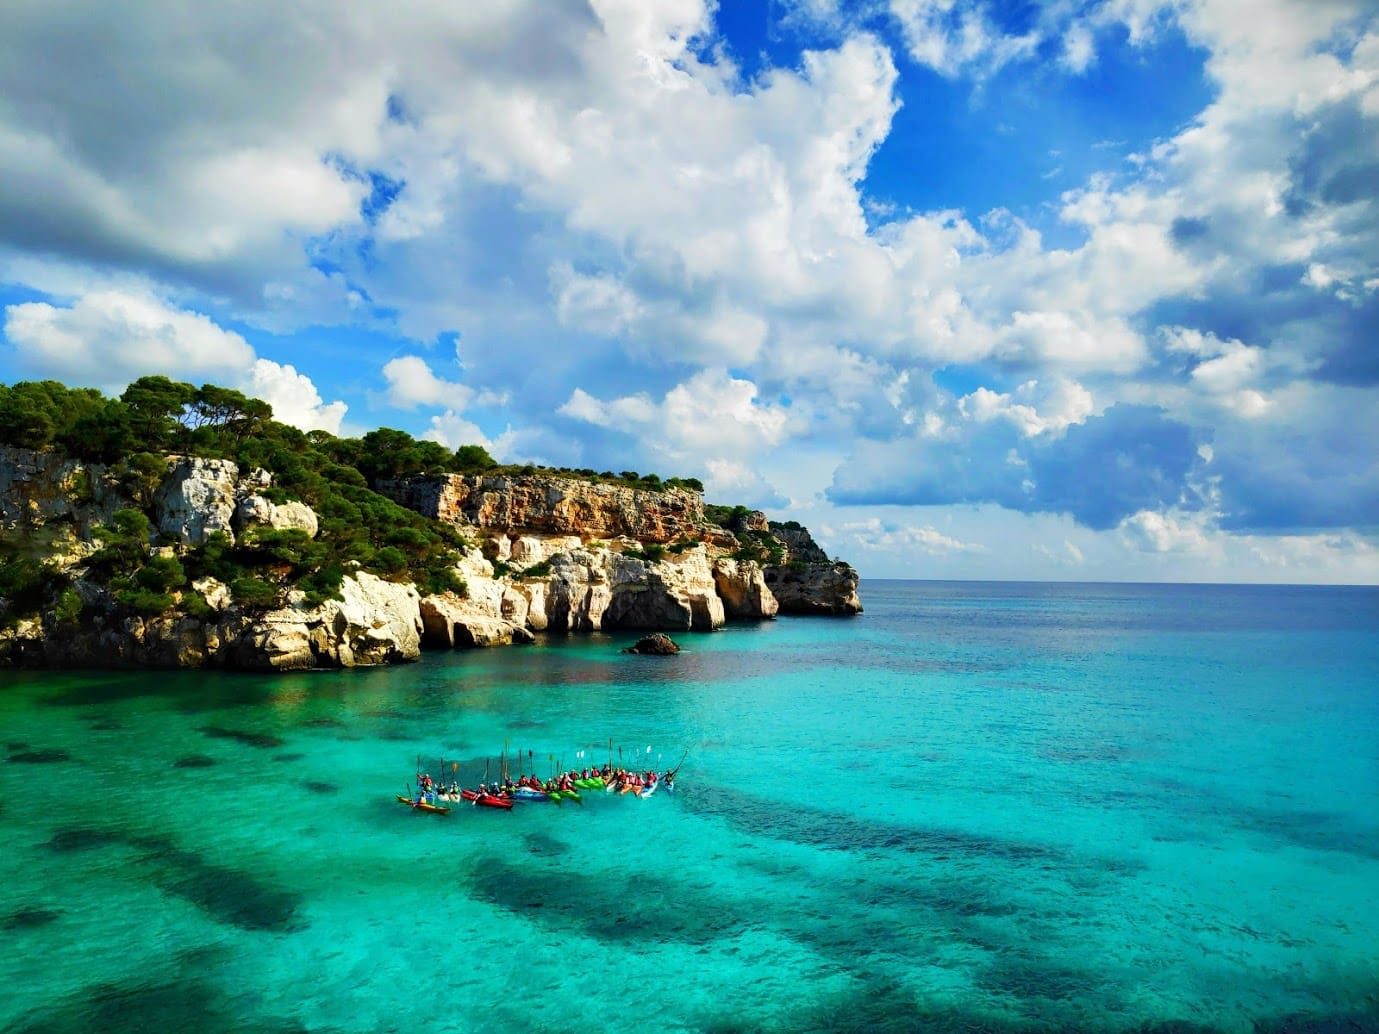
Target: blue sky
1075,289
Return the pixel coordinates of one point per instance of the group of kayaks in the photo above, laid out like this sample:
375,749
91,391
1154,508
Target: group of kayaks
436,798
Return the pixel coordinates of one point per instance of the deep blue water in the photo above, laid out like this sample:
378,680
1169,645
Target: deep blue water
978,806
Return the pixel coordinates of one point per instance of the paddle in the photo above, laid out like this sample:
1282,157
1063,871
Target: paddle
670,776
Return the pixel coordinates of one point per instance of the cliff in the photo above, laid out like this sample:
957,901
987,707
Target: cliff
552,505
789,572
533,554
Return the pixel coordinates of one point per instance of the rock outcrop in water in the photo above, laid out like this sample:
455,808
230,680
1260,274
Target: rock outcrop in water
548,554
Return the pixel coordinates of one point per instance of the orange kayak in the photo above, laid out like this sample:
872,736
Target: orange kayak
421,805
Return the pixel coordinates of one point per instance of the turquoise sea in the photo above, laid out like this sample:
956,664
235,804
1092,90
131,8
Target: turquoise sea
976,807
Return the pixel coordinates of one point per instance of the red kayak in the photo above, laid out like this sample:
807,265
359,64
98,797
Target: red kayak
488,800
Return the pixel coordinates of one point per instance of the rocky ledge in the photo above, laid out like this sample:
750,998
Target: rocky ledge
548,555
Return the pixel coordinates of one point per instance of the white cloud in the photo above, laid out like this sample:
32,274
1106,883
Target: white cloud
1069,556
1165,533
1063,402
1309,555
411,383
601,304
452,430
293,397
949,36
712,413
876,534
110,338
1079,49
1069,339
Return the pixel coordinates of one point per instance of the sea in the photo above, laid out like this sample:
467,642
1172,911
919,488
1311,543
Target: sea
975,807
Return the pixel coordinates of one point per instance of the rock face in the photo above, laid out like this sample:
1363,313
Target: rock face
551,554
552,505
376,622
808,582
196,498
43,488
742,587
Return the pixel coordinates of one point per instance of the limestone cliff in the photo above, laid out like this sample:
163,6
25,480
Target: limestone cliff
563,522
808,582
375,622
548,554
57,505
553,505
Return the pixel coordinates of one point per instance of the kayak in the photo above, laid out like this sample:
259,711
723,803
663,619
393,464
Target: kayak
487,800
649,789
421,805
526,793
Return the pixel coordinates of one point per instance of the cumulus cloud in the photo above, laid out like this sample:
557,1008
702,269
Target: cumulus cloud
1100,471
711,414
1165,532
293,397
876,534
411,383
109,338
452,430
596,195
1033,407
948,36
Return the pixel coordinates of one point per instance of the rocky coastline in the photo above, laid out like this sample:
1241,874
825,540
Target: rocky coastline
545,555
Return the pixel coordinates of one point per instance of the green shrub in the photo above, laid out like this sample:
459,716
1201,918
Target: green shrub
389,560
68,608
195,605
443,580
160,574
25,581
254,592
145,601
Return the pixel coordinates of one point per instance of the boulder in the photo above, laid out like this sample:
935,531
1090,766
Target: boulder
658,644
256,511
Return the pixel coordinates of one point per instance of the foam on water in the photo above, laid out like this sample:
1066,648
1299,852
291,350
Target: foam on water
1023,808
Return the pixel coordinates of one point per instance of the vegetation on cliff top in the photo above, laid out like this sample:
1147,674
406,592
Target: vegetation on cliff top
156,416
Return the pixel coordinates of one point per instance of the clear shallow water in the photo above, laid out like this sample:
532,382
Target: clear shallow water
976,807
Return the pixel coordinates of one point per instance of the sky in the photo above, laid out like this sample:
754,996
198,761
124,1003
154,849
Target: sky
1058,290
